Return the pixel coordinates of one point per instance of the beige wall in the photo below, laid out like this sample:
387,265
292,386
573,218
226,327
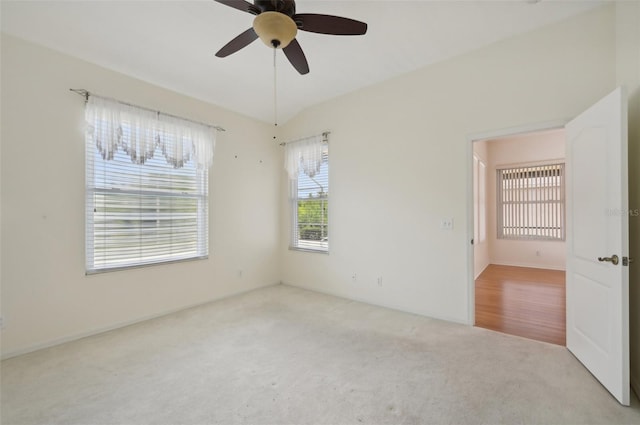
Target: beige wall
46,297
628,75
400,161
532,148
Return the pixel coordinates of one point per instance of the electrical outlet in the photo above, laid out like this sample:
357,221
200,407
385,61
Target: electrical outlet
446,223
1,322
239,274
354,278
379,280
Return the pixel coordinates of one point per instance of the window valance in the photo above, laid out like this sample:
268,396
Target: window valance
113,126
306,155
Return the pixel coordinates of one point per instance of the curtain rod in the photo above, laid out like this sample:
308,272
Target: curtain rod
325,134
85,93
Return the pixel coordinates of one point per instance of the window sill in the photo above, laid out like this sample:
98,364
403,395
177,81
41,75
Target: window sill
140,266
317,251
529,239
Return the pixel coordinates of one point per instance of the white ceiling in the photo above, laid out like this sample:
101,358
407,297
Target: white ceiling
172,43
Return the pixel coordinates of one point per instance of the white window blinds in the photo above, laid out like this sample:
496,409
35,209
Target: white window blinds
531,202
147,194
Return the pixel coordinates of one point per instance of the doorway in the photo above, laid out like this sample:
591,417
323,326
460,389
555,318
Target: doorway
597,238
519,234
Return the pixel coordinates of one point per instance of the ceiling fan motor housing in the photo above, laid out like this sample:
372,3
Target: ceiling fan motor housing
288,7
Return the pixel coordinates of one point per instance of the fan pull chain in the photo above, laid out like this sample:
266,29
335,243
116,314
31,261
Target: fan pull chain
275,91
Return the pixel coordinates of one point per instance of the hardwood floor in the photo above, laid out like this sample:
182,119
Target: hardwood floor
522,301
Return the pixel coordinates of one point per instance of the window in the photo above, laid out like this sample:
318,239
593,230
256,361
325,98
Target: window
531,202
147,196
479,200
309,194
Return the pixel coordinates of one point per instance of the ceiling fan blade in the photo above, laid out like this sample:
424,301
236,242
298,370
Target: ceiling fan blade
238,43
294,53
243,5
328,24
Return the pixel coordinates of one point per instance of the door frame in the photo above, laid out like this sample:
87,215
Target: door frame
477,137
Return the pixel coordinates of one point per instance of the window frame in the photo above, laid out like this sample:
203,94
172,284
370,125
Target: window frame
200,179
294,239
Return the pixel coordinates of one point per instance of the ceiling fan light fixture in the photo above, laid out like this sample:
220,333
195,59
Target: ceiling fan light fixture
275,29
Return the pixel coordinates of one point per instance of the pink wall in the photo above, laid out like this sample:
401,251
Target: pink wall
481,252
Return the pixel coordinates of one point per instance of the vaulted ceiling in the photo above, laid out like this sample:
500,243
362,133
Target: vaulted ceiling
172,43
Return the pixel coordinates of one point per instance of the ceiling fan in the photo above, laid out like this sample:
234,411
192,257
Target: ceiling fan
276,24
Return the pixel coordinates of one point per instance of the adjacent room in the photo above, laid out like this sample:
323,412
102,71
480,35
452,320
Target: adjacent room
519,240
319,212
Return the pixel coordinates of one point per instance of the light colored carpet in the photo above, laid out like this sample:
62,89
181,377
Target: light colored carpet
283,355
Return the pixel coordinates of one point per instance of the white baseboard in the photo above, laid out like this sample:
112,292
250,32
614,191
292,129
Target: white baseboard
119,325
480,272
378,304
532,266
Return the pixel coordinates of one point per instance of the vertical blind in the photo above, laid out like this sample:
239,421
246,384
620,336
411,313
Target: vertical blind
142,212
531,202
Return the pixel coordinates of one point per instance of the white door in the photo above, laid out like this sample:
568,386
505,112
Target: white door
598,243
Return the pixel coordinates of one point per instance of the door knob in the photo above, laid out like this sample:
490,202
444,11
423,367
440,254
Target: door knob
613,259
